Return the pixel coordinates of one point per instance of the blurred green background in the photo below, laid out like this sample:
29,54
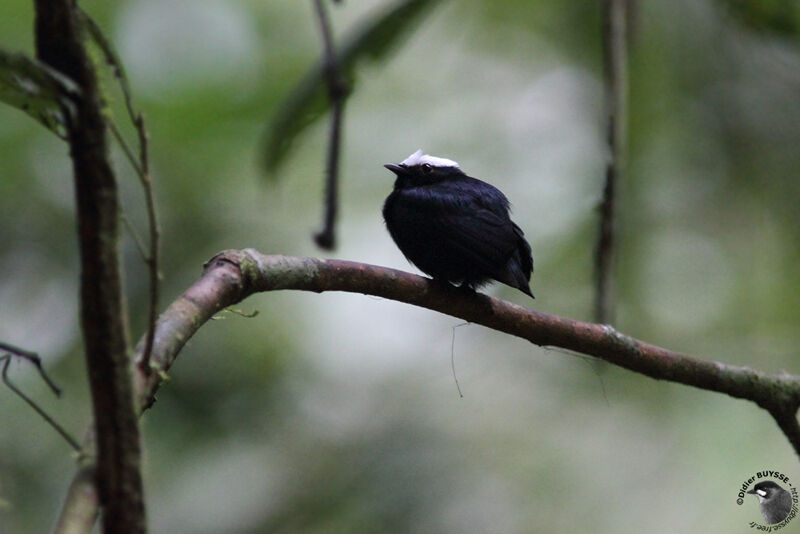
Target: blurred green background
339,413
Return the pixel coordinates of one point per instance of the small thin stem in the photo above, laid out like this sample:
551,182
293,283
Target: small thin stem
151,259
453,358
111,58
38,409
616,84
135,235
125,148
326,238
152,219
35,360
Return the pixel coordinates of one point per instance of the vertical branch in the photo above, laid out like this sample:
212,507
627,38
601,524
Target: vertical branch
337,91
615,77
59,43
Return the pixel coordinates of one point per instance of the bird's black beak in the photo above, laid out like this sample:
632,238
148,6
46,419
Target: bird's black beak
751,491
395,168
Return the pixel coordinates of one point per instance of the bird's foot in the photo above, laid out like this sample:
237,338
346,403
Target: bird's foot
467,288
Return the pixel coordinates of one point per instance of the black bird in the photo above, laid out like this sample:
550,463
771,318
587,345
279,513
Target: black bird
455,228
775,502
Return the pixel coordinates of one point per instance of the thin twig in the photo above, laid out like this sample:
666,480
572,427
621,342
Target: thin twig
453,358
151,256
35,360
326,238
38,409
112,58
152,218
151,259
616,88
126,149
142,167
135,235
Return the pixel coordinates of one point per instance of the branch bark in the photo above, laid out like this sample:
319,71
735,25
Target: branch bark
82,505
233,275
60,44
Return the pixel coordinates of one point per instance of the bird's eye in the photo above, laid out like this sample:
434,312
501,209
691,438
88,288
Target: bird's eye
427,168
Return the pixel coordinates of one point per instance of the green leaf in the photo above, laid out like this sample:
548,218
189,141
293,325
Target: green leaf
373,41
36,89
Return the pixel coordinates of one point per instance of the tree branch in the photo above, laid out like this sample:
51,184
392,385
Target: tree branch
337,92
615,77
81,507
59,43
233,275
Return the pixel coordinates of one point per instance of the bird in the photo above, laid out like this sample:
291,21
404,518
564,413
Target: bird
774,501
453,227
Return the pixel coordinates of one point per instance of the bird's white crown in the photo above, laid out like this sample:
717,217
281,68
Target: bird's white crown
418,158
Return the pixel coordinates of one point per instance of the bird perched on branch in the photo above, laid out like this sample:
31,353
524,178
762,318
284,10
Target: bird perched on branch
453,227
774,501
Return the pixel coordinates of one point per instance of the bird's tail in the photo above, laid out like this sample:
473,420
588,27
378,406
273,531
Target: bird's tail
516,275
520,266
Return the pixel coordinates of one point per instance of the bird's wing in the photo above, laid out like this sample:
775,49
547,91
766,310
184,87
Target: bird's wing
526,257
480,236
